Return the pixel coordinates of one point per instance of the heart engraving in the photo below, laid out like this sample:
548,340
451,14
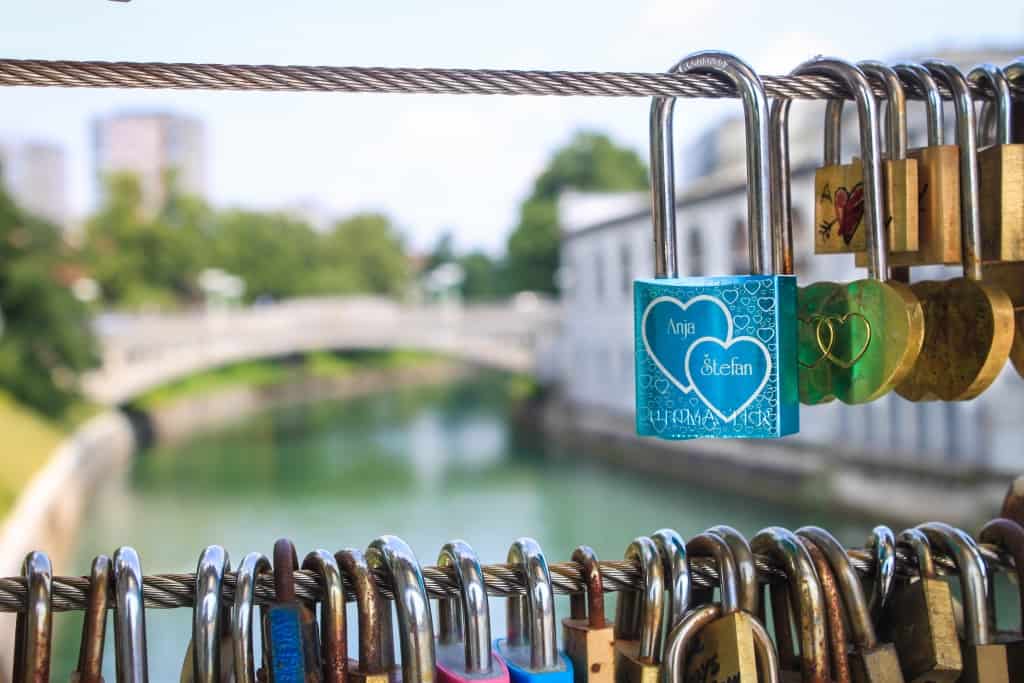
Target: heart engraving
727,376
669,326
849,210
824,347
841,321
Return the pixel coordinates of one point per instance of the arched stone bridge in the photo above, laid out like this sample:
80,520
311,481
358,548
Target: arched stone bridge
143,351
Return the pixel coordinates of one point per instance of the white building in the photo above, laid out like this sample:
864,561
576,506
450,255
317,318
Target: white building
607,243
152,146
35,175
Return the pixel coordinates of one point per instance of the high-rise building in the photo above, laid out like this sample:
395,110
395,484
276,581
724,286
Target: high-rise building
154,147
34,173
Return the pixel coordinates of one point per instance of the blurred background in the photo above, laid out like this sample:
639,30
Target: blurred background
228,317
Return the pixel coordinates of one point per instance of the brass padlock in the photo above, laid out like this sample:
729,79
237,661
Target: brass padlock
587,637
638,617
839,196
871,660
1008,537
94,624
801,598
1000,176
376,662
938,183
333,634
242,614
920,620
835,614
984,659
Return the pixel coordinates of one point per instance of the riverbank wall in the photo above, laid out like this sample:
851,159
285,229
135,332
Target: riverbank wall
866,485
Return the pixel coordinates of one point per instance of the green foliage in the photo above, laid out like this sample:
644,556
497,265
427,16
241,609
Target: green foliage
591,161
364,253
276,255
482,279
46,338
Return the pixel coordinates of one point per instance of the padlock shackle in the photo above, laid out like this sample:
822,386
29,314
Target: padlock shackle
590,604
286,563
1008,536
1015,72
537,606
973,578
895,106
805,595
675,569
918,543
33,638
832,153
994,77
917,76
392,556
94,622
854,80
253,564
370,608
749,591
882,545
639,617
130,652
755,115
207,614
712,545
333,631
966,138
835,613
782,221
458,558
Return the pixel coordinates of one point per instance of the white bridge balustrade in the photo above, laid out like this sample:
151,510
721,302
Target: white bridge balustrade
143,351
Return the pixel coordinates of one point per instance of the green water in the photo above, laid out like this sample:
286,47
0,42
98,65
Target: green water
427,464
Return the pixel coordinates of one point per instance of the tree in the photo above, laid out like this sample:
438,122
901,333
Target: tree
481,279
443,252
47,335
590,162
363,253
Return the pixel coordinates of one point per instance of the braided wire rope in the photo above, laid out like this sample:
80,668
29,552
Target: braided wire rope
168,591
186,76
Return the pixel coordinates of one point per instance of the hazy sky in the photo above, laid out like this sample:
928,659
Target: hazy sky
433,162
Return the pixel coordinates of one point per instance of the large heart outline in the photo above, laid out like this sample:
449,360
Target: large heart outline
726,345
682,306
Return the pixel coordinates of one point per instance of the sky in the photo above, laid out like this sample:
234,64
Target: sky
434,163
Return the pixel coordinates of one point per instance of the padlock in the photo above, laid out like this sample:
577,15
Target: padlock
1000,176
871,661
802,598
587,636
882,546
464,622
209,655
984,660
33,636
376,663
715,357
726,645
638,618
392,557
94,624
291,649
968,323
840,207
938,183
1008,537
920,620
530,648
675,570
333,635
835,614
249,570
131,655
876,326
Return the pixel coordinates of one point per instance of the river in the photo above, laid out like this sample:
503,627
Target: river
428,464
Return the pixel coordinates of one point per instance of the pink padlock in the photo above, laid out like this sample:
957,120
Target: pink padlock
464,642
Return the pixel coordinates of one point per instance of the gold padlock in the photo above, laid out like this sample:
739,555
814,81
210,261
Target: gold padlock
587,637
638,619
376,662
1008,536
839,196
1000,176
871,660
920,620
984,659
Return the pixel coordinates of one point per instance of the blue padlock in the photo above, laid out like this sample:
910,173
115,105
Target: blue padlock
715,356
530,648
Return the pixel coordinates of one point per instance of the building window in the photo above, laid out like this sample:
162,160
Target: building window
739,253
626,268
598,275
695,251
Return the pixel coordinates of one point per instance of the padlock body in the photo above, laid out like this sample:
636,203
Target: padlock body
716,357
923,630
985,664
877,665
723,651
629,668
592,651
1001,192
517,659
287,649
838,210
357,675
1009,277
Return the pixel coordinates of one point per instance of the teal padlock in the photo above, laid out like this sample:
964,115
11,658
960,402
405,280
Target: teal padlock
715,356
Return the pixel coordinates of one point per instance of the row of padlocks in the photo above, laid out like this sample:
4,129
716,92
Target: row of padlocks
894,620
736,356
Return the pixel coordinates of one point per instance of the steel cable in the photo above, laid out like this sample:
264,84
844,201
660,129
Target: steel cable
185,76
167,591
